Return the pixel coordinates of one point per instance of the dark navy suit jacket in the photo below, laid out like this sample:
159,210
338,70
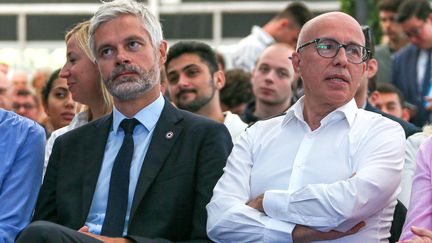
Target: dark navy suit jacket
404,76
175,183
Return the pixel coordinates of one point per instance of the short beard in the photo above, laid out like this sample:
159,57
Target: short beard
196,104
128,88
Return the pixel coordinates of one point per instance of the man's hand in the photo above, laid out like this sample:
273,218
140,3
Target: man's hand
257,203
303,234
85,230
422,236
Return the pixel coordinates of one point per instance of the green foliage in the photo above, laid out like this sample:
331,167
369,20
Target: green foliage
348,6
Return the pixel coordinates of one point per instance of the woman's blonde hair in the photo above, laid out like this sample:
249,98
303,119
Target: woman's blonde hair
80,33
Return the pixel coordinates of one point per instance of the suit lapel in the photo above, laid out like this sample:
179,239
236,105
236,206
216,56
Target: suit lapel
167,131
96,143
412,72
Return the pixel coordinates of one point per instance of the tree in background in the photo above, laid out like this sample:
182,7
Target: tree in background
349,7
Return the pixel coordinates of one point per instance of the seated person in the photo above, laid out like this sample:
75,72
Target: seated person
21,155
389,99
325,170
143,173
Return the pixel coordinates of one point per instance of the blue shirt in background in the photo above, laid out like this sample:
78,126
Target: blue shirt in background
22,144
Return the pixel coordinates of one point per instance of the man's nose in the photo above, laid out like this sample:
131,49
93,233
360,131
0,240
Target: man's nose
122,57
341,57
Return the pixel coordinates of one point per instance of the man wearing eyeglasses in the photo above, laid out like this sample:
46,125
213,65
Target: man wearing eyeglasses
411,68
325,170
25,103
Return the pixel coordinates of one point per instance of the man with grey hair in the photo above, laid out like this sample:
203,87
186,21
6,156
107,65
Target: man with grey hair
143,173
325,170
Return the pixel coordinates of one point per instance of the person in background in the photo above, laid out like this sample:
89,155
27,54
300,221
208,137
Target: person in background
84,82
4,67
325,170
272,82
39,80
5,92
393,33
389,99
412,65
40,77
21,155
164,83
368,86
195,81
19,81
25,103
220,60
57,102
284,27
237,92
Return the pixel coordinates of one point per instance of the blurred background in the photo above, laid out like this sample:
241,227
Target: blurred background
32,31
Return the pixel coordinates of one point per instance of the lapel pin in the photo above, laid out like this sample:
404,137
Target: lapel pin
169,135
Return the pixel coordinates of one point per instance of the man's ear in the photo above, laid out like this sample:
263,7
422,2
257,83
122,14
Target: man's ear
372,68
295,59
406,114
219,79
283,23
163,46
373,97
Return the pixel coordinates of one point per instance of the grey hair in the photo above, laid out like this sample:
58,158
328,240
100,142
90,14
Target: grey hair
111,10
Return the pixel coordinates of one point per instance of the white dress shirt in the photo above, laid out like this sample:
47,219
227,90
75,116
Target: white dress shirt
234,124
79,119
413,143
346,171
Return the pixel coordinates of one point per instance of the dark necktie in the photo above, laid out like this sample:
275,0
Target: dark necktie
119,184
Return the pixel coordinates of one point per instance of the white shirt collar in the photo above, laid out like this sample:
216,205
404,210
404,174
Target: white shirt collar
347,111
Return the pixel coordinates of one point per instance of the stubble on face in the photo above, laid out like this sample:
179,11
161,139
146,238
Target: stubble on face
130,87
197,103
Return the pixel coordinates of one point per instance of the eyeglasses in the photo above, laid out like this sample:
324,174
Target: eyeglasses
415,31
26,106
329,48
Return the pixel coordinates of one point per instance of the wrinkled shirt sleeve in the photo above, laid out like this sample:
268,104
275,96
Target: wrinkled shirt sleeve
229,218
20,185
343,204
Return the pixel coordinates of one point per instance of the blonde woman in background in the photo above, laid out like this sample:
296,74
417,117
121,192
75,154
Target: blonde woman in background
84,82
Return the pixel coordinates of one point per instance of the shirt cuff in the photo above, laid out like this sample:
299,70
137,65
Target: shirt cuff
274,205
277,231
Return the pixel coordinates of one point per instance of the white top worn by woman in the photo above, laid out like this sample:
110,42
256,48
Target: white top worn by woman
78,120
